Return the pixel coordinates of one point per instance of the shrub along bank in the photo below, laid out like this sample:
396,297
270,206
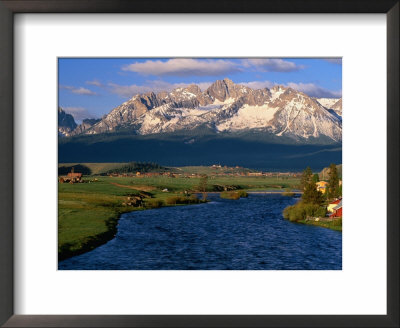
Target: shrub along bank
233,194
311,209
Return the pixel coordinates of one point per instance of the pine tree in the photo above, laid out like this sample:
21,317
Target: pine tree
333,187
306,178
315,178
311,195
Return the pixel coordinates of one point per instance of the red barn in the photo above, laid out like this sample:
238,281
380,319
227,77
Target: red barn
333,205
337,213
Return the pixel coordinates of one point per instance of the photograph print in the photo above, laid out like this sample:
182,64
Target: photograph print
199,163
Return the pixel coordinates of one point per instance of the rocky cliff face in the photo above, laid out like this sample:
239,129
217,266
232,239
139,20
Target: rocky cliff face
337,107
85,125
66,123
226,107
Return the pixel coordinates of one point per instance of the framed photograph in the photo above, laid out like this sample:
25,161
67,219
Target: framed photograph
214,133
187,165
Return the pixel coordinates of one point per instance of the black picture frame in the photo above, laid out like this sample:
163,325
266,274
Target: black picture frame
10,7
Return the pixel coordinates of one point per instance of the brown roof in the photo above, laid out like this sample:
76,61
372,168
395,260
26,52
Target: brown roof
74,175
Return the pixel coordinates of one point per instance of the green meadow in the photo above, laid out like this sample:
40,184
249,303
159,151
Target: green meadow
87,215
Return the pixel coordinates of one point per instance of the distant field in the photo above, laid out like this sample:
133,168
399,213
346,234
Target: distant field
99,168
180,183
209,170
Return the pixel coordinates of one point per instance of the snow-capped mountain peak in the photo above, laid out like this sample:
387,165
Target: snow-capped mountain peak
227,107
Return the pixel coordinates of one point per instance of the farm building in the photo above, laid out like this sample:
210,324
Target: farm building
332,205
71,177
76,177
254,174
337,213
337,210
322,186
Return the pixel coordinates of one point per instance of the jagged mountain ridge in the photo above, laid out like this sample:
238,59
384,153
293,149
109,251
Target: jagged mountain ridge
66,123
68,127
334,104
224,107
86,124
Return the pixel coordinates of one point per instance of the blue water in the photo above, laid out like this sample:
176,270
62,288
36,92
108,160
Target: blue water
245,234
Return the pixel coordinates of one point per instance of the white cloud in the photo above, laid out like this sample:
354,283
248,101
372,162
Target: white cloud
79,113
184,67
310,89
84,91
203,85
314,90
258,84
96,83
79,90
209,67
271,65
129,91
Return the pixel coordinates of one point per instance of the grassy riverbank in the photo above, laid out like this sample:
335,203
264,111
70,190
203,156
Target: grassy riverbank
89,212
87,215
313,207
335,224
311,214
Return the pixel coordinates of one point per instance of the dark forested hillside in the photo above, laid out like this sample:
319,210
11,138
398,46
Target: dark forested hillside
253,151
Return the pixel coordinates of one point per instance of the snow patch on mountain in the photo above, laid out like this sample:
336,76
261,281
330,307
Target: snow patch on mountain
276,92
249,117
327,102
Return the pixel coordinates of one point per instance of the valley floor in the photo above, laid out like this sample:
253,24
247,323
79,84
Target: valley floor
88,212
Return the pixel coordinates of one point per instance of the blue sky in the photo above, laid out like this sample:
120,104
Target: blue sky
92,87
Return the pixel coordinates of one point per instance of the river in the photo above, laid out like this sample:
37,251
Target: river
245,234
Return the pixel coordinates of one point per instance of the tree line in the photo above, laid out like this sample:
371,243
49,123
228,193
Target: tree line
142,167
313,202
